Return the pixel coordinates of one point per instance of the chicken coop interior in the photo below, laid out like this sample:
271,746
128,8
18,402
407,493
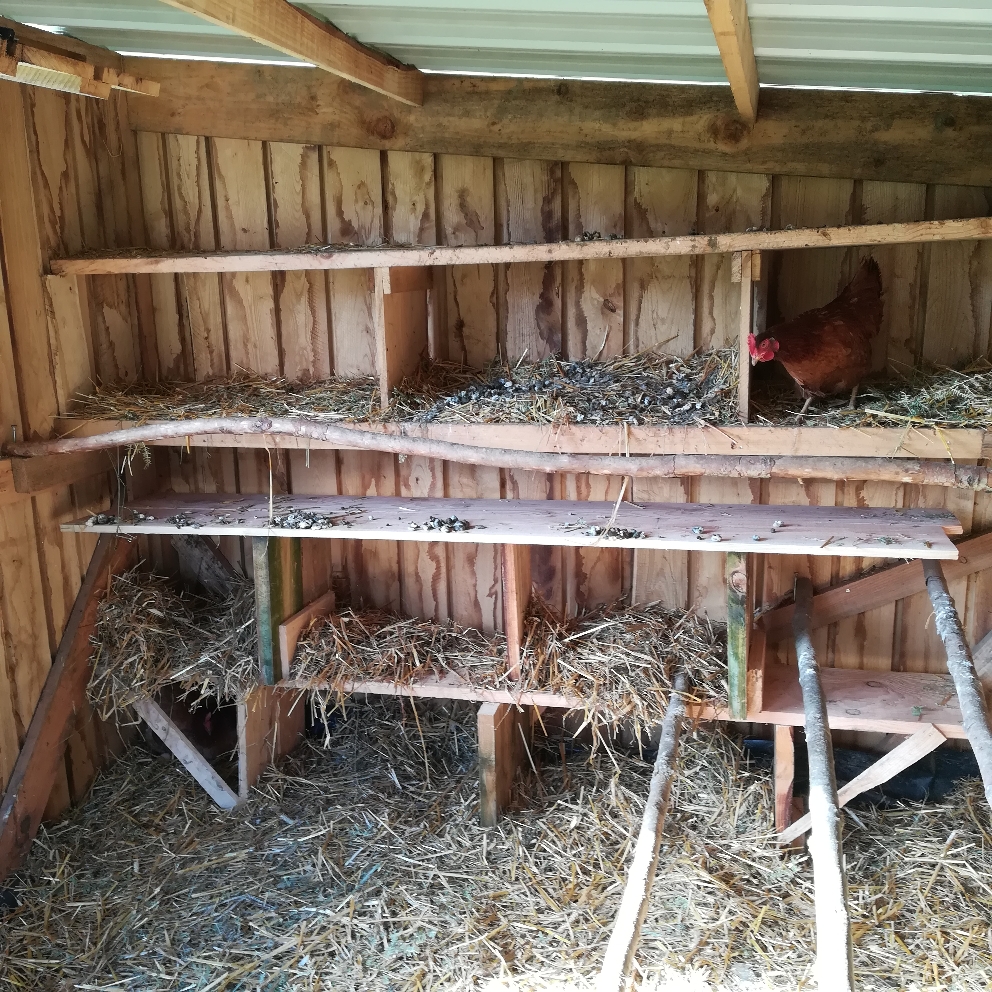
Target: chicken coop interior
495,497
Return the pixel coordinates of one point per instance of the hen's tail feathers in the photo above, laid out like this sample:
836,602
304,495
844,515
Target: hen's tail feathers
864,291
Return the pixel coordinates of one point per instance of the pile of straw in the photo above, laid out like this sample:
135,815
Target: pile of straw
362,867
620,660
639,389
636,389
243,395
931,397
149,635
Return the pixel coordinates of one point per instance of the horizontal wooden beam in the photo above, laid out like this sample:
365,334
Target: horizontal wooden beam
585,439
34,475
64,44
903,137
143,261
279,25
729,21
831,531
883,702
878,589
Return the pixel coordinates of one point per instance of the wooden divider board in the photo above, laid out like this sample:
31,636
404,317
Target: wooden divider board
800,530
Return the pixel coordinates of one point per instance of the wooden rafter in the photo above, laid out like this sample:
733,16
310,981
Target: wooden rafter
279,25
733,37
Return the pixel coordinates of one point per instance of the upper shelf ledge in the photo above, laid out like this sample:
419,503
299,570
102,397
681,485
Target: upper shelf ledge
139,260
792,530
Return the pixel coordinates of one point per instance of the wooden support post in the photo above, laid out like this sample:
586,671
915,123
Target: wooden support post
65,687
505,733
738,633
516,596
785,775
184,749
619,956
400,324
897,760
745,328
834,952
971,696
278,569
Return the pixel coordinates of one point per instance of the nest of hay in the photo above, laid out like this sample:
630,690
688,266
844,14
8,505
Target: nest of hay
639,389
149,635
620,661
363,867
636,389
243,395
931,397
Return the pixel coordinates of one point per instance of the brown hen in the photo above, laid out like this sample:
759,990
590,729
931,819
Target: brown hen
828,350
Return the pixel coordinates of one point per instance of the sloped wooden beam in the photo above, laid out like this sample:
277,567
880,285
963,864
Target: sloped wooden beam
277,24
733,37
31,782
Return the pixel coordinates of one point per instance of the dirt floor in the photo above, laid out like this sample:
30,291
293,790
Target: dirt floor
361,865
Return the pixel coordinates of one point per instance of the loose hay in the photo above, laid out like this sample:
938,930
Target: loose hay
349,869
932,397
148,635
620,660
639,389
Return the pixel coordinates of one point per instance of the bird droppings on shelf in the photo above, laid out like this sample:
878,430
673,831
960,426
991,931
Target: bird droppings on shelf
617,533
445,525
103,520
309,520
183,519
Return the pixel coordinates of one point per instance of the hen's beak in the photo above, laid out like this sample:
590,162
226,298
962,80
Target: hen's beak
754,361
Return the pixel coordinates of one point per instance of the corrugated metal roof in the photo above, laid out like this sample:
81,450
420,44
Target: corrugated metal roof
886,44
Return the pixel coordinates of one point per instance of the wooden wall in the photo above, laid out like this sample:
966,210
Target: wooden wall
81,178
68,164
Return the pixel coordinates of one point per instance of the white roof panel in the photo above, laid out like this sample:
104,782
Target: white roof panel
888,44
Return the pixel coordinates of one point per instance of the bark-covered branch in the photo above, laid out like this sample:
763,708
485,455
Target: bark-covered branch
907,470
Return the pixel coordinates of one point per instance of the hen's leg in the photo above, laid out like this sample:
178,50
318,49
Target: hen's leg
809,399
854,396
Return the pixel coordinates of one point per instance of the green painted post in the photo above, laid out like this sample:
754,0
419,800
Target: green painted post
738,621
278,571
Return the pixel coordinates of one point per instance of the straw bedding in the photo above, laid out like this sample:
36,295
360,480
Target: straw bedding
639,389
148,634
620,660
358,868
932,397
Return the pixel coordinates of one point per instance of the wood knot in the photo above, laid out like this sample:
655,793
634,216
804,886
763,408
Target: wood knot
738,580
383,127
728,131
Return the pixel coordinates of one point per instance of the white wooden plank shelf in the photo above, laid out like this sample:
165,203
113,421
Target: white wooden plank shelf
761,529
829,442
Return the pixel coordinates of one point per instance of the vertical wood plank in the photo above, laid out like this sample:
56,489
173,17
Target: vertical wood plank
661,576
896,346
243,225
661,297
301,297
353,202
593,326
785,776
501,751
547,563
528,202
278,595
959,288
199,294
728,201
738,633
466,217
516,597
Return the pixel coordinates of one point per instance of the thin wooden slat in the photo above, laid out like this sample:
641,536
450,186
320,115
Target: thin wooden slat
729,21
785,775
604,249
889,765
516,597
191,759
808,531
